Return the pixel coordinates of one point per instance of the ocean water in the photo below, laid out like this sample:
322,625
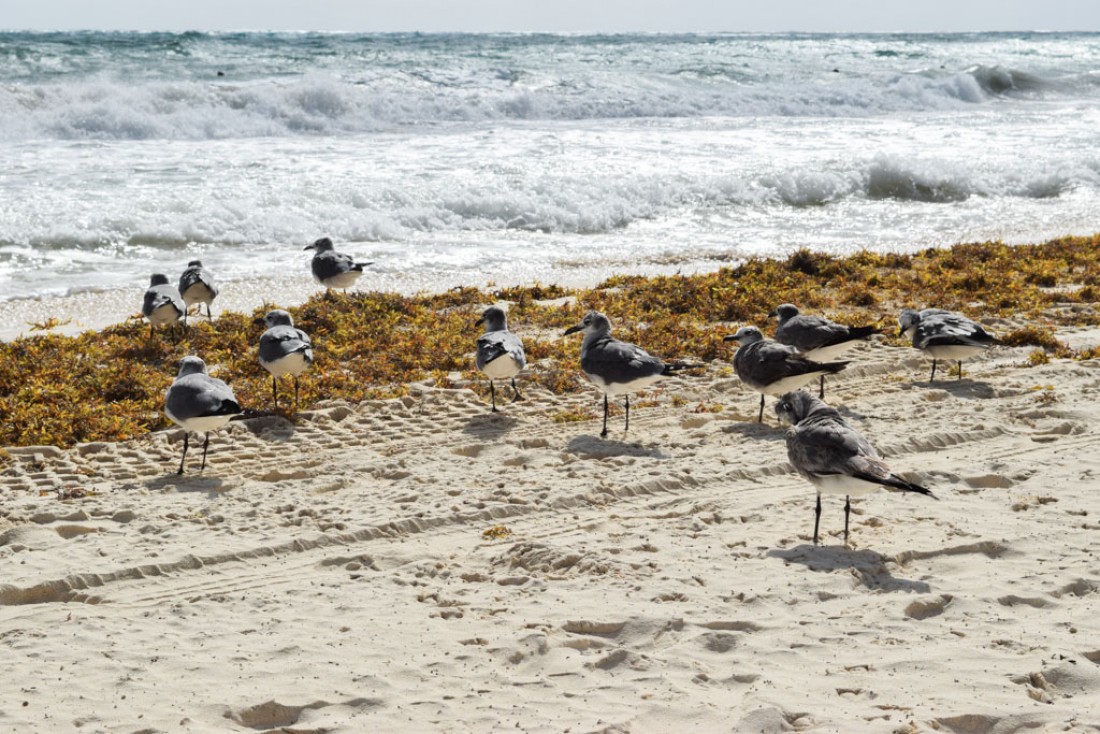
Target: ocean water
507,158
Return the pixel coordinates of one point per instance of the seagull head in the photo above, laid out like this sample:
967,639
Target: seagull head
277,317
784,311
493,318
908,320
794,407
593,322
195,264
191,366
745,335
322,245
158,279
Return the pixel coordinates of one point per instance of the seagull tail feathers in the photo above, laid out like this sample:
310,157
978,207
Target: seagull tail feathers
895,483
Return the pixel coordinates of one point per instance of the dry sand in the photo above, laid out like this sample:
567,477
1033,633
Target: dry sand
331,575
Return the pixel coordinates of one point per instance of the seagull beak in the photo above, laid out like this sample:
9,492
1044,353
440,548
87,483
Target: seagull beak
772,314
730,338
257,321
901,331
478,323
308,247
573,329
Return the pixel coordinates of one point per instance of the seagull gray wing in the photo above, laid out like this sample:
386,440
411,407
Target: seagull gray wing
330,263
281,341
199,396
948,328
619,361
158,296
812,332
495,344
195,276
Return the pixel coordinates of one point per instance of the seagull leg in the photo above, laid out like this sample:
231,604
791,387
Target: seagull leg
933,377
821,391
760,418
603,433
817,517
184,452
205,444
493,394
209,315
847,512
627,415
295,393
960,369
516,391
275,390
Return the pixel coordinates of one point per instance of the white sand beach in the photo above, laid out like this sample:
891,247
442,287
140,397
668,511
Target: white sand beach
333,574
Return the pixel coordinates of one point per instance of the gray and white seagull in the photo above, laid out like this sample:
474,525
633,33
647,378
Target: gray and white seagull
499,352
197,285
618,367
162,303
772,368
284,350
944,335
833,456
816,337
200,403
334,269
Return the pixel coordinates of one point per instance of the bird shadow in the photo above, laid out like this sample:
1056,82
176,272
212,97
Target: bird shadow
187,483
490,425
268,426
869,567
594,447
757,431
965,388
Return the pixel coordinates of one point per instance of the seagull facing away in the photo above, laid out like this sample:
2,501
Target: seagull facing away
162,304
197,286
200,403
772,368
334,269
618,367
817,338
284,350
944,335
499,352
833,456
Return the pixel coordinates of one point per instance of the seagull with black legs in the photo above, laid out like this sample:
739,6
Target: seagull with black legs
771,368
833,456
944,335
499,352
334,269
200,403
284,350
197,285
618,367
162,304
816,337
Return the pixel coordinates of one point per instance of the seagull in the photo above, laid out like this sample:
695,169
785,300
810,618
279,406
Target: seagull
197,286
944,335
499,351
334,269
835,457
772,368
817,338
200,403
284,350
617,367
162,304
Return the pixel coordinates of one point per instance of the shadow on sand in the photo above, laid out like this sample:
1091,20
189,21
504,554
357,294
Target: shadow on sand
594,447
869,567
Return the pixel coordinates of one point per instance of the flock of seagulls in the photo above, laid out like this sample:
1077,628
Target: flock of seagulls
821,446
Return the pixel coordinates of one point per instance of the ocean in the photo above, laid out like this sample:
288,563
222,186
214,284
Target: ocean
473,159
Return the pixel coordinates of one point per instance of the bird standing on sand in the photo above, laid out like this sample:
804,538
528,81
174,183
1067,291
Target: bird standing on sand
197,286
817,338
618,367
499,352
833,456
334,269
284,350
162,304
772,368
200,403
944,335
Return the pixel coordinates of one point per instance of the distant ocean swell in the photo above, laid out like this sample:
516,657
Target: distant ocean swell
320,104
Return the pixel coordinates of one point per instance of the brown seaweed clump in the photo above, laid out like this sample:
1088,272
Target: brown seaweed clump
109,385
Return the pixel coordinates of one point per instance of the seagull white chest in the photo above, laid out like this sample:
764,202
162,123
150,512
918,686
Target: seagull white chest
953,351
290,364
501,368
200,424
614,389
164,314
843,484
343,280
197,293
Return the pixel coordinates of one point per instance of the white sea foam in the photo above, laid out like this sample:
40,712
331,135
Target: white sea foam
472,158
